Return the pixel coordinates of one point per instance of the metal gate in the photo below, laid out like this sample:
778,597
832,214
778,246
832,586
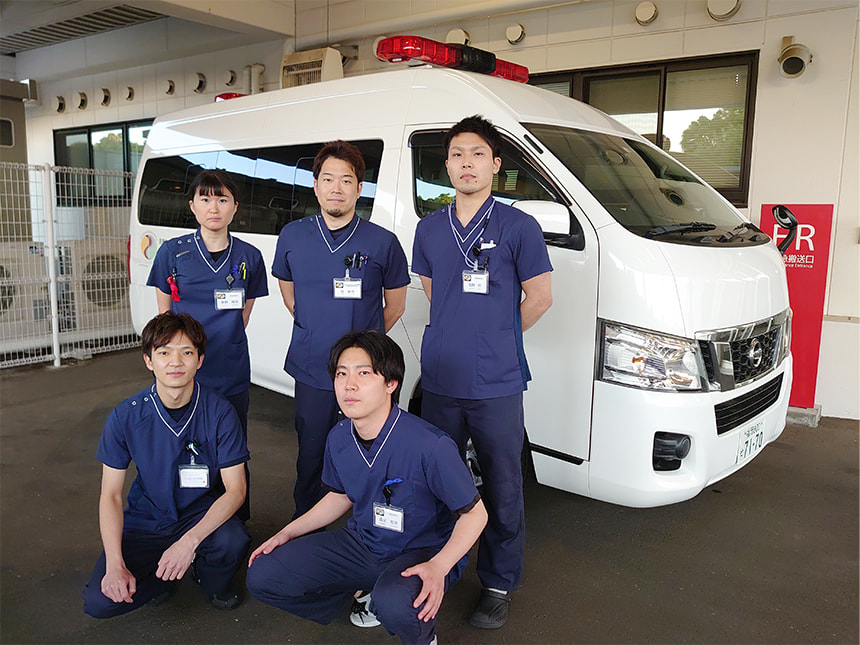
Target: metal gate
63,263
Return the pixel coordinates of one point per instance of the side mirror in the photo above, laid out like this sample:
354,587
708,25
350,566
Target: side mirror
558,226
786,219
553,218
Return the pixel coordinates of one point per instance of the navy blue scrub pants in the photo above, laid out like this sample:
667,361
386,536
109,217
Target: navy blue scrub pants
240,403
218,558
316,575
316,415
497,429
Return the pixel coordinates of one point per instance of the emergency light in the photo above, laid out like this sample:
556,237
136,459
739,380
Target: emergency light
228,95
397,49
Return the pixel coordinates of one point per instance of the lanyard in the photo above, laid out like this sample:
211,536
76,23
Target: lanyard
161,416
322,233
361,452
206,259
459,240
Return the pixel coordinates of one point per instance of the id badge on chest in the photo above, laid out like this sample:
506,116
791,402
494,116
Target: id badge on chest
347,288
476,282
388,517
194,476
229,299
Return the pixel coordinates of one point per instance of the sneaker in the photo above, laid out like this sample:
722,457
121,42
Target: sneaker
225,600
360,614
492,609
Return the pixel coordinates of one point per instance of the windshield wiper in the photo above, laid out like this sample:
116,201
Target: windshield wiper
689,227
737,230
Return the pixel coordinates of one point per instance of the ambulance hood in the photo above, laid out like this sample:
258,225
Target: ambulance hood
681,290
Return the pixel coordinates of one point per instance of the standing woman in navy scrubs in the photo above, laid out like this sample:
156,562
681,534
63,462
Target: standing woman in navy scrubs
216,278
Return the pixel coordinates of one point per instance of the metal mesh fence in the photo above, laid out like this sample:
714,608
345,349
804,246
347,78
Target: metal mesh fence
63,263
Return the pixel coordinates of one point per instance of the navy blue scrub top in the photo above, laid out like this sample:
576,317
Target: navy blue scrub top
227,365
141,430
436,482
473,346
309,257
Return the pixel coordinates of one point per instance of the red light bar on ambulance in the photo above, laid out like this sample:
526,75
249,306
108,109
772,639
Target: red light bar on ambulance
397,49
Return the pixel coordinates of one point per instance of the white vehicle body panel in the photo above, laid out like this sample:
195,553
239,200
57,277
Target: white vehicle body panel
589,436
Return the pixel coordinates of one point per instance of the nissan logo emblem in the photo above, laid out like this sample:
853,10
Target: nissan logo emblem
755,354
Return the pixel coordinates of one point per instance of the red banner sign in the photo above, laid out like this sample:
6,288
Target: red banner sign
806,269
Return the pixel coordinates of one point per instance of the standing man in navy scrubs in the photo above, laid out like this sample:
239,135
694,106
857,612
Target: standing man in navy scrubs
415,510
337,273
216,278
180,435
486,271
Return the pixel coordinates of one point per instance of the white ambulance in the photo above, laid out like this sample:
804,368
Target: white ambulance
663,365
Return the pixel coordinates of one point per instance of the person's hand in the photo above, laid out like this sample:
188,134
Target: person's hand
432,589
269,545
175,561
119,585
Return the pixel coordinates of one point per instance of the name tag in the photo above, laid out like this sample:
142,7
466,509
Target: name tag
476,282
386,517
348,288
194,476
229,299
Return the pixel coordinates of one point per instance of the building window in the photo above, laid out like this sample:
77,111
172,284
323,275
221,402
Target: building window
700,111
116,147
7,133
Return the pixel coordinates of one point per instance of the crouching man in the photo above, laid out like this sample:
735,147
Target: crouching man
415,511
181,436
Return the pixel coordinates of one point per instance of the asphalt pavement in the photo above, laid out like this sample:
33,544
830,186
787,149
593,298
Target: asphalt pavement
768,555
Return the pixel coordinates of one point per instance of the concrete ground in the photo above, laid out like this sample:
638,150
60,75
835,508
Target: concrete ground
769,555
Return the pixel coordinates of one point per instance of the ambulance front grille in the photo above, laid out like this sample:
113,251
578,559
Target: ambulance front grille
735,412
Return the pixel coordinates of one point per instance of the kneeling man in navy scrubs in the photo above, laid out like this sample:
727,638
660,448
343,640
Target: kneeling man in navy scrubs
181,436
415,511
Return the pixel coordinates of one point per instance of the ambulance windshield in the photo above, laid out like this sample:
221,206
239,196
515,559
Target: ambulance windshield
646,190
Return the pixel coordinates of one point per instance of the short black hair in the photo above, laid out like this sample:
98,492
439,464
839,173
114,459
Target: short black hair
213,182
386,357
477,124
162,328
345,152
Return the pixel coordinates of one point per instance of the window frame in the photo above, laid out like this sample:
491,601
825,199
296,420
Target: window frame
578,81
91,198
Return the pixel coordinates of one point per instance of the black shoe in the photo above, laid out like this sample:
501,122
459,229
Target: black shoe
492,609
225,600
161,598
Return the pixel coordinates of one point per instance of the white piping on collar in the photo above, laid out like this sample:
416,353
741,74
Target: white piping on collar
362,451
322,233
206,259
154,393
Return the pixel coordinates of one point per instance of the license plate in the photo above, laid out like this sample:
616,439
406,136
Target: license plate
750,441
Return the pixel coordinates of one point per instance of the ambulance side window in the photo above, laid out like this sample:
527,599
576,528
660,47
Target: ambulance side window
518,178
275,185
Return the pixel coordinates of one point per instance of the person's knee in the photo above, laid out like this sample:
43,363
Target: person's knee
230,538
268,579
97,605
392,601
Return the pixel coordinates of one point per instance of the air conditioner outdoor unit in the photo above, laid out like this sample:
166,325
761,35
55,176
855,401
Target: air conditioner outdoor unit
24,301
99,280
313,66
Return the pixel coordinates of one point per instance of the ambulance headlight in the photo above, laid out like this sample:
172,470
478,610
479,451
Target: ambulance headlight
651,361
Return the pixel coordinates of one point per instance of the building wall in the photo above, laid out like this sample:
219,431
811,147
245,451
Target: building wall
805,140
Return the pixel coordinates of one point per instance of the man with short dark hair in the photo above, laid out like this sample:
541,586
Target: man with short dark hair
415,511
337,273
486,272
181,437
